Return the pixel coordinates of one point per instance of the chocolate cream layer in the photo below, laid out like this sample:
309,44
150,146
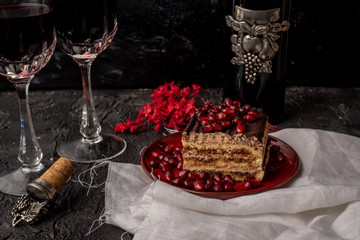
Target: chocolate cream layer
237,170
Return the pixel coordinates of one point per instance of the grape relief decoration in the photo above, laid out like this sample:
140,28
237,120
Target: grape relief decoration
254,41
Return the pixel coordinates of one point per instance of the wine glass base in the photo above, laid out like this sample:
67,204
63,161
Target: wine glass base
14,182
79,151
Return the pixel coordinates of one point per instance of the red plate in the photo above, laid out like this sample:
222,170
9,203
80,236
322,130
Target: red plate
277,174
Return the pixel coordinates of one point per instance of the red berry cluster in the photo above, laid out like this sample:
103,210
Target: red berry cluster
228,114
172,107
168,161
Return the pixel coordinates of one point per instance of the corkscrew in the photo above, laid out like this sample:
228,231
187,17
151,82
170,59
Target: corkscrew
41,193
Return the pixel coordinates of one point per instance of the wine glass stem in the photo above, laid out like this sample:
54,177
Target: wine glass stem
90,126
30,153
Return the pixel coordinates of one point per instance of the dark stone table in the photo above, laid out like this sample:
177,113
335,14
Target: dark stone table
57,112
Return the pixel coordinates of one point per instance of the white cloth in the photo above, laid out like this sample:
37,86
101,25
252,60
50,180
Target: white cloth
322,202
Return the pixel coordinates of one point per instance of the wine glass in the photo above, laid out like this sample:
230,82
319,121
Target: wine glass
27,42
85,28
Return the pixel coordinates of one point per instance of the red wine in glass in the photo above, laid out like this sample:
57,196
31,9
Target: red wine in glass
27,42
26,39
85,28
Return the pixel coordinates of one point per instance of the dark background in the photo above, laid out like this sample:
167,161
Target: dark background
186,42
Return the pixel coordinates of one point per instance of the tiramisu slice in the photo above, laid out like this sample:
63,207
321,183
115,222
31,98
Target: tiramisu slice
229,139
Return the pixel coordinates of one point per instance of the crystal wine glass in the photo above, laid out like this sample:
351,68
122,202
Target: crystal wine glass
27,41
85,28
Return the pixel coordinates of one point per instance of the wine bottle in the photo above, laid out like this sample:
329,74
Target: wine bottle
258,39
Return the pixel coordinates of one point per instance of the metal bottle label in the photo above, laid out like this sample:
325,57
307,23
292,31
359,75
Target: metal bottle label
255,39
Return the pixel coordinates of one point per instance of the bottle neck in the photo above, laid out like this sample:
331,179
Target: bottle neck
259,4
284,5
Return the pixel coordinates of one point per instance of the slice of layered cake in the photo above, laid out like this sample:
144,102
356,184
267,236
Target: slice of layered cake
229,139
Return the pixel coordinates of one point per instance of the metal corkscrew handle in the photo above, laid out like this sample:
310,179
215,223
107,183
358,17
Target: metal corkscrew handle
29,210
42,192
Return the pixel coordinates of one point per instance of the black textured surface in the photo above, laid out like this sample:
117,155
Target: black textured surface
55,112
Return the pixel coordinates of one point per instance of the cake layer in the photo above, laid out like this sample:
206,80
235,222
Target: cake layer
238,169
221,166
212,157
222,143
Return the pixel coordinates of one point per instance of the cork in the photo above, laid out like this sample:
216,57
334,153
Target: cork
59,173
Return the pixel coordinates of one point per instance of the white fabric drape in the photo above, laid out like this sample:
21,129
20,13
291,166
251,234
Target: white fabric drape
321,202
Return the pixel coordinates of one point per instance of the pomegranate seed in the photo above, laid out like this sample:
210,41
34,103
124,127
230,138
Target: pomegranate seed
177,182
180,165
225,124
254,182
204,122
173,162
202,118
169,176
228,179
211,110
280,156
163,163
232,107
154,163
254,113
236,103
169,148
216,177
155,154
240,128
220,116
210,181
242,111
193,176
247,186
183,173
207,128
203,175
166,158
209,184
199,185
179,157
175,154
217,188
212,117
229,111
162,145
249,118
221,182
218,108
228,102
217,127
178,149
160,157
247,108
188,183
228,187
237,120
206,107
165,168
